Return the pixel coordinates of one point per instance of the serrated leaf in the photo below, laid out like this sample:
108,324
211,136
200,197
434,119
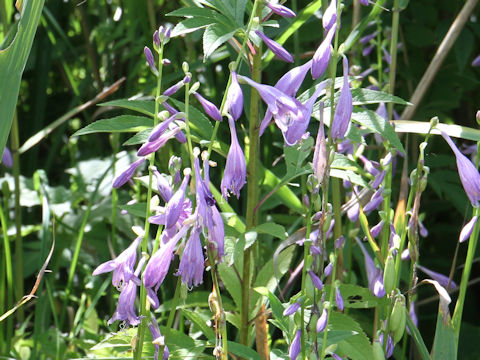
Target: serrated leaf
146,107
371,120
214,36
122,123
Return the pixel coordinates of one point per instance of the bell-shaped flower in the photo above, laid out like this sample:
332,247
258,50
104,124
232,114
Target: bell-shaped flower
163,186
374,275
280,10
7,158
468,173
291,309
122,266
468,229
159,263
128,173
126,306
158,130
291,81
330,15
322,321
234,176
192,262
339,299
321,58
275,47
216,234
375,201
234,102
209,107
152,146
175,204
150,59
157,338
440,278
317,282
344,108
295,346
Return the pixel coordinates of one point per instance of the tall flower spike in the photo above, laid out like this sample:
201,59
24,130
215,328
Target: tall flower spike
321,58
127,174
192,261
209,107
234,176
234,102
175,204
344,108
468,173
275,47
280,10
330,15
295,346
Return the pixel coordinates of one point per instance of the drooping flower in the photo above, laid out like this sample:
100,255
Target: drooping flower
390,345
157,338
440,278
234,102
467,171
321,58
322,321
128,173
209,107
160,128
280,10
291,309
468,229
175,204
291,81
234,176
328,269
295,346
317,282
126,306
374,275
330,15
216,234
344,108
122,266
275,47
7,158
192,261
163,186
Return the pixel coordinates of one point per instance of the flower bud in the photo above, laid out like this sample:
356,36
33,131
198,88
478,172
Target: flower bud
398,318
378,353
389,274
322,321
291,309
185,67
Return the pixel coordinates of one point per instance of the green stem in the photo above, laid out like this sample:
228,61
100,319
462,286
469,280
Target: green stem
393,53
472,246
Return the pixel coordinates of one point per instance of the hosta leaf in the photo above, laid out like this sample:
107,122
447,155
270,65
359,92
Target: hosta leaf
122,123
214,36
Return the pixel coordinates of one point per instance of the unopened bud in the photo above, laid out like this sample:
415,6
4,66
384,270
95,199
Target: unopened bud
389,274
194,88
378,353
398,318
185,67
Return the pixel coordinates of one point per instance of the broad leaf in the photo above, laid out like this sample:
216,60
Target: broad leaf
214,36
122,123
146,107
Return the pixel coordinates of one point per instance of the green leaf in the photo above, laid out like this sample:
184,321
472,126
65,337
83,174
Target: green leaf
444,344
342,162
199,123
359,297
421,127
349,176
194,317
122,123
335,336
146,107
139,138
138,210
243,351
191,25
231,281
182,346
273,229
276,306
296,155
363,96
371,120
214,36
12,64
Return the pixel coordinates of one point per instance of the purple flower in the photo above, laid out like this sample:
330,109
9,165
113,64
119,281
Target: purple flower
209,107
390,345
375,201
440,278
375,231
354,211
152,146
156,39
467,229
216,234
156,336
330,15
234,176
122,266
364,2
476,61
343,110
175,204
280,10
328,269
234,102
174,88
192,261
339,242
374,275
366,51
291,81
128,173
126,306
315,280
163,186
367,38
7,158
339,299
159,263
275,47
150,59
203,195
321,58
158,130
294,349
468,173
322,321
320,160
378,179
370,166
291,309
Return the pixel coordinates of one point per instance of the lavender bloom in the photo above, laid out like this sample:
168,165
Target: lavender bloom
158,130
122,265
339,299
354,211
7,158
126,306
344,108
375,201
292,309
315,280
366,51
378,180
159,263
422,228
322,321
330,15
364,2
440,278
386,56
156,39
164,188
192,261
320,154
150,59
127,174
152,146
468,229
321,58
367,38
203,195
216,234
234,102
175,204
294,349
275,47
476,61
281,10
328,269
375,231
374,275
156,336
174,88
336,357
234,176
339,242
390,345
370,166
209,107
291,81
468,173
